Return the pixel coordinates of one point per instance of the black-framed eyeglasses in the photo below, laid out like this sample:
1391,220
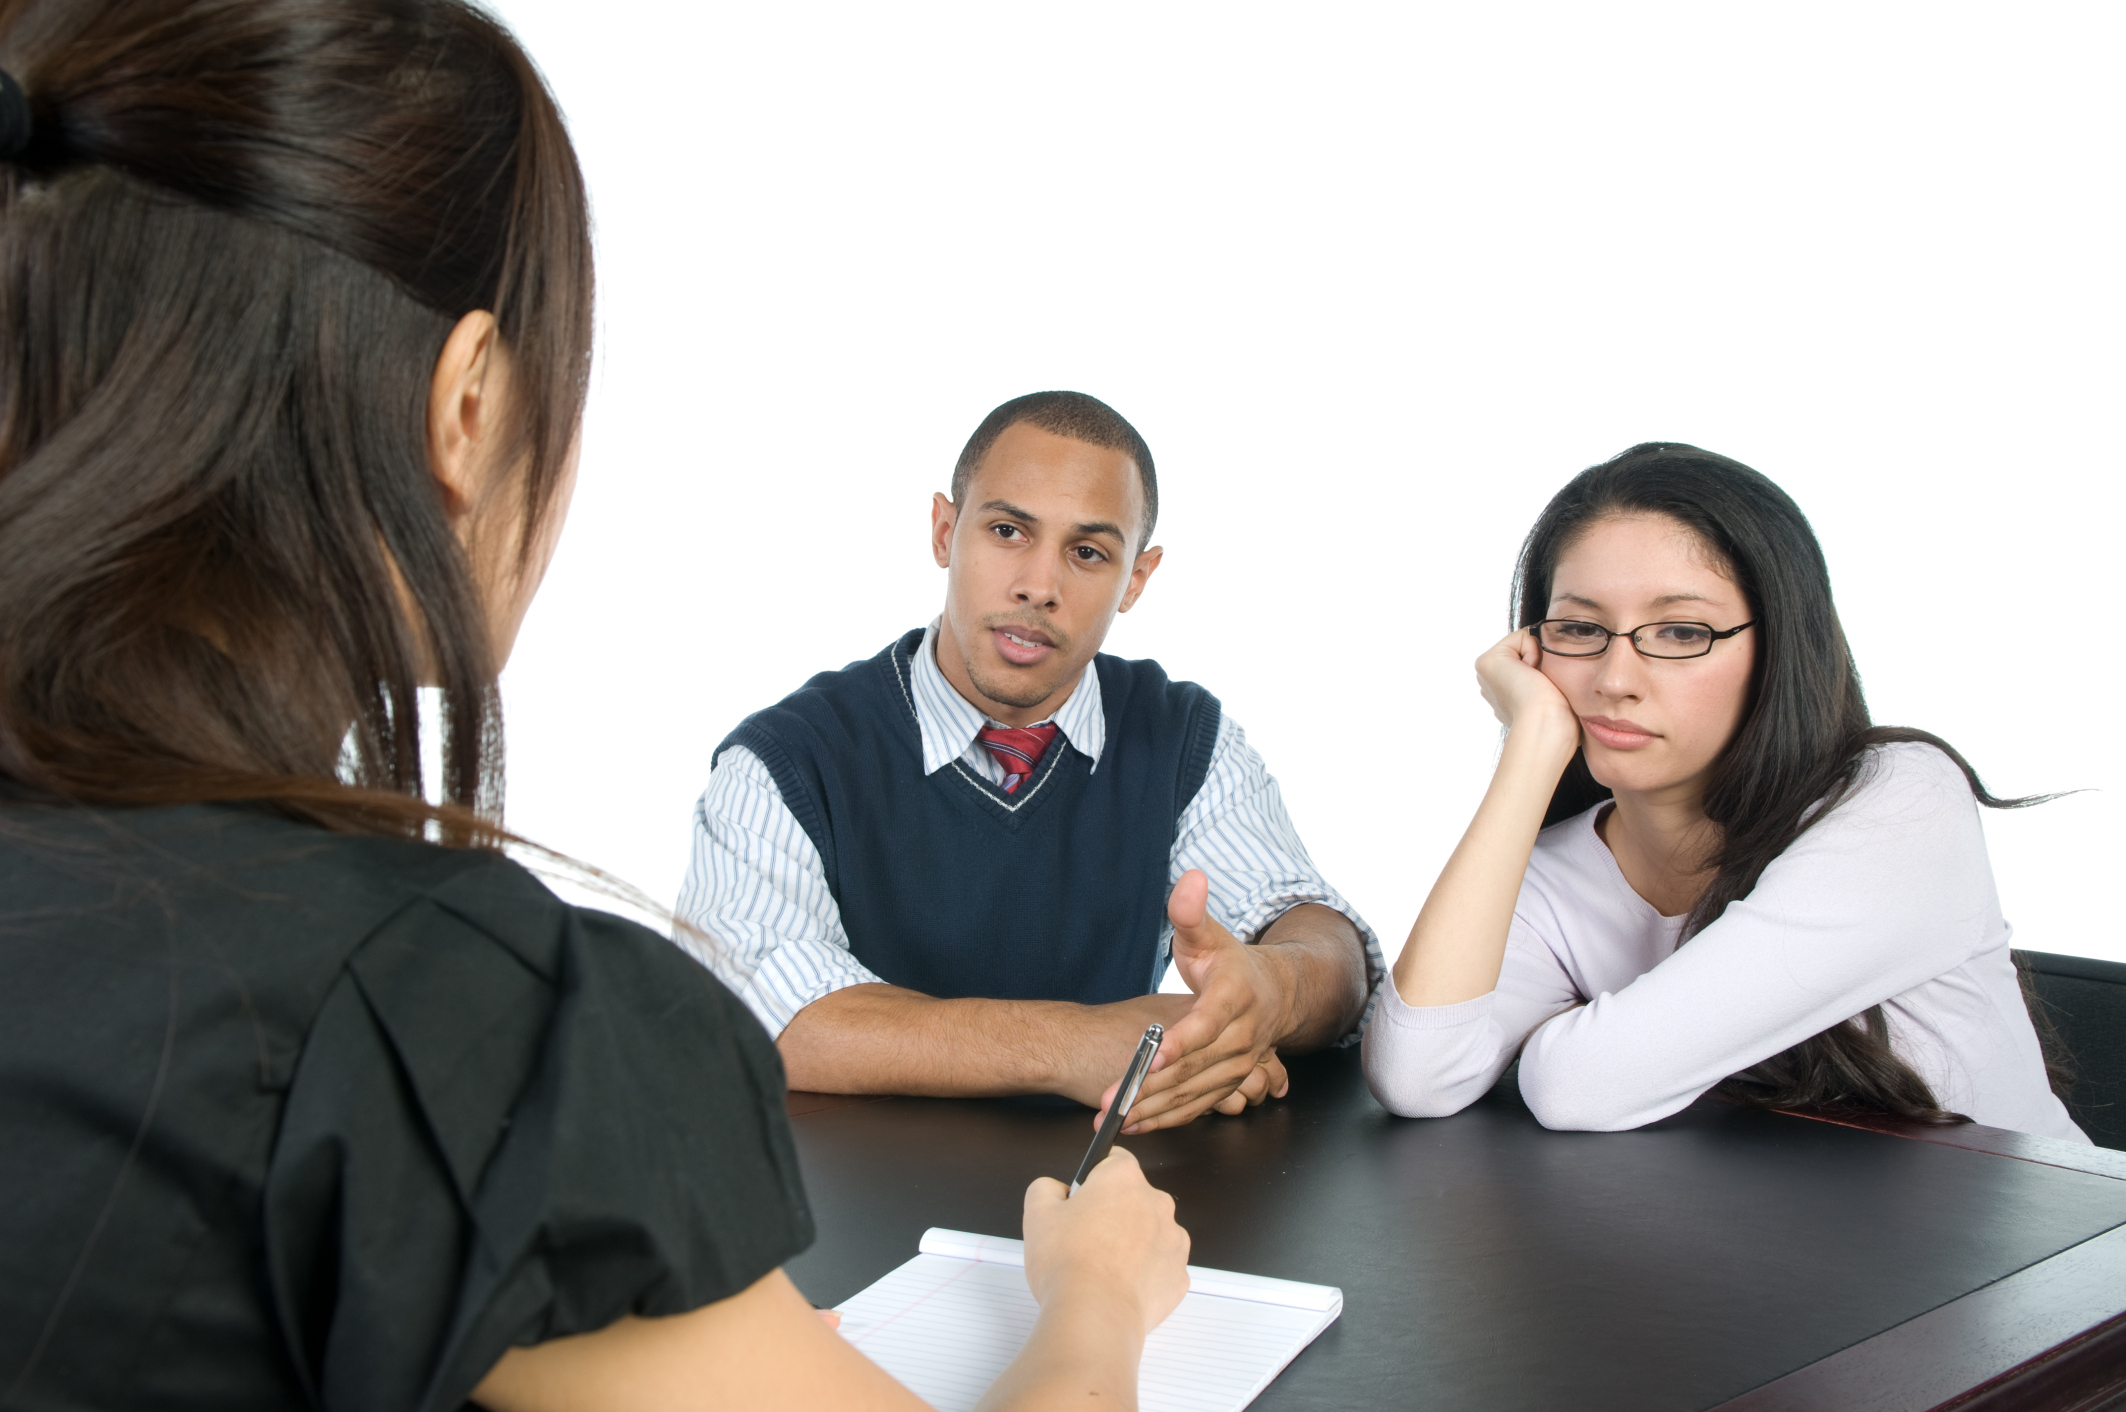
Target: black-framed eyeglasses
1576,637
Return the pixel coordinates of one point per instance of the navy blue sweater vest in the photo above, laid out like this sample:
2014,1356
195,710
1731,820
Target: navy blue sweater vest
950,886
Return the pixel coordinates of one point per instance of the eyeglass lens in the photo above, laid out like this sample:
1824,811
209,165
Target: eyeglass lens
1571,637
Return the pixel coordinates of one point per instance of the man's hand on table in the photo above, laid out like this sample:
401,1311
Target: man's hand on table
1096,1060
1302,985
1221,1051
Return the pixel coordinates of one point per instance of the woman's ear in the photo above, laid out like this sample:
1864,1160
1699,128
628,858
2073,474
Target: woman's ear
464,412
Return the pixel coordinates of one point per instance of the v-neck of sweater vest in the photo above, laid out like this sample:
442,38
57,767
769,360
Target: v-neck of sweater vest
1033,787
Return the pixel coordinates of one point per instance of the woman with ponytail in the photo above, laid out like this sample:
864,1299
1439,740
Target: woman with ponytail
1698,864
309,1096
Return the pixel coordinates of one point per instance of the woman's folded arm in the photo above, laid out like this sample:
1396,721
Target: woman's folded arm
1427,1061
1889,891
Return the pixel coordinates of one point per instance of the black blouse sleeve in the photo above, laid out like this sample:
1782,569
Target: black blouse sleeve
515,1120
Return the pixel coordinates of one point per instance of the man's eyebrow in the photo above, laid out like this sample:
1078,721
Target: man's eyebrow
1006,507
1106,527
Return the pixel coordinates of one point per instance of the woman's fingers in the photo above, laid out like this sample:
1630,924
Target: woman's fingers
1493,674
1512,680
1116,1238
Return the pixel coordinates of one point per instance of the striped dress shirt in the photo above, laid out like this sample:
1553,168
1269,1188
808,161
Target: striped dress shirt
769,928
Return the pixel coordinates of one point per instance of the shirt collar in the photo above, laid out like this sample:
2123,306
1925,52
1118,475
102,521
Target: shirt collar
950,722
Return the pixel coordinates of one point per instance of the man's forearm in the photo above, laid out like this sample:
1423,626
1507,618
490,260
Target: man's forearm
883,1039
1325,974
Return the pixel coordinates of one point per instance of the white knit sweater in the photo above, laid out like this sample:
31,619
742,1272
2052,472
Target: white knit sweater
1888,900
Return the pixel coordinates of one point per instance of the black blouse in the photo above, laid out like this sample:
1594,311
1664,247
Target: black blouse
291,1118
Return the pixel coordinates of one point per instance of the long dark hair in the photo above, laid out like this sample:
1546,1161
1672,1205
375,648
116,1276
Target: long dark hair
1804,736
229,259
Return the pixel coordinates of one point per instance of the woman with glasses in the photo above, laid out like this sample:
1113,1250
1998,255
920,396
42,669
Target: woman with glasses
1698,865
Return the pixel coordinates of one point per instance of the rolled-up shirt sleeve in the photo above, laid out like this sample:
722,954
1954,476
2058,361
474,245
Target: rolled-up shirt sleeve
1236,830
756,906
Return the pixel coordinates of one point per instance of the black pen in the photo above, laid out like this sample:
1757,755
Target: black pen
1140,1064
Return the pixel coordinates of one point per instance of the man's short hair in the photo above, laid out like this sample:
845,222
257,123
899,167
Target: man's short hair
1071,414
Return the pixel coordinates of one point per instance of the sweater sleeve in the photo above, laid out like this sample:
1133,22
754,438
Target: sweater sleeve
1433,1060
1888,891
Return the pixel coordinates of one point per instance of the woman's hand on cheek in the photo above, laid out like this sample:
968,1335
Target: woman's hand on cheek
1517,691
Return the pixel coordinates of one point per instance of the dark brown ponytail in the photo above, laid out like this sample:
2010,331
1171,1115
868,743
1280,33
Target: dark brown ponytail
230,254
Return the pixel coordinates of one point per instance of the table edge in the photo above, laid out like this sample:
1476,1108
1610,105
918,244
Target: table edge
2060,1321
2053,1331
799,1103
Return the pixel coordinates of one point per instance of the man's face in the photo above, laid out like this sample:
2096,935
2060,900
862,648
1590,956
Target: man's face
1039,561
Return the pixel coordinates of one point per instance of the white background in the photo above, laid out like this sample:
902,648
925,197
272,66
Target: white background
1373,282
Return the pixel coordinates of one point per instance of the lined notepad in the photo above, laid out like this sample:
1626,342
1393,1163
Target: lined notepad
947,1322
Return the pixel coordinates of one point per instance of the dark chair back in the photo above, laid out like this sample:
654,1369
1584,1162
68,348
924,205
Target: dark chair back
2085,1000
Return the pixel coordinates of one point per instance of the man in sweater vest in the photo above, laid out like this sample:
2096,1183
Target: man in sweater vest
960,867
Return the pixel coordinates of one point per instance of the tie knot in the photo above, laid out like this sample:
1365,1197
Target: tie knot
1017,748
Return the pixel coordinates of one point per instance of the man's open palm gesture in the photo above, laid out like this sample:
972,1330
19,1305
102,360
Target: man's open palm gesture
1222,1053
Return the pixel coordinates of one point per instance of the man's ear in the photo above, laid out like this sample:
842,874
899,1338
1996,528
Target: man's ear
463,412
944,515
1140,573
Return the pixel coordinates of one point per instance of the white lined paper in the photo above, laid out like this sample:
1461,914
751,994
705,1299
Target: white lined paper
950,1320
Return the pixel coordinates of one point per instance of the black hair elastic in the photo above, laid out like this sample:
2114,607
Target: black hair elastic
14,117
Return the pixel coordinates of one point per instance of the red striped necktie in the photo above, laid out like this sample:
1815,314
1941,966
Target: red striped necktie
1017,748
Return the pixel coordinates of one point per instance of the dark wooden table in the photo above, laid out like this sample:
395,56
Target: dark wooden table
1723,1258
